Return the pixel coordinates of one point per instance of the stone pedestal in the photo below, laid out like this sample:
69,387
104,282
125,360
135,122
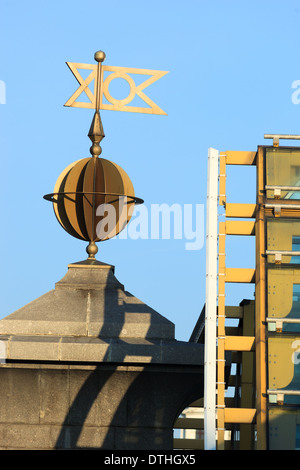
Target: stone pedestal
88,365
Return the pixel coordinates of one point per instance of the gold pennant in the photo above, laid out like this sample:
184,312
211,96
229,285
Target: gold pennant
113,103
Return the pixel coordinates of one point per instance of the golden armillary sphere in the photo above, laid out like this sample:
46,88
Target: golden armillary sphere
93,198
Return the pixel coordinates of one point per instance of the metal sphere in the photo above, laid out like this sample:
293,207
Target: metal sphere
92,249
95,149
93,199
100,56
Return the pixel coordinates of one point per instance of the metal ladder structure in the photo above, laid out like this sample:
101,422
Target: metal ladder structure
264,344
263,406
236,436
245,343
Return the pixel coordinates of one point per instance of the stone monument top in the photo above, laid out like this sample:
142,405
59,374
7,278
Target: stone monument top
90,317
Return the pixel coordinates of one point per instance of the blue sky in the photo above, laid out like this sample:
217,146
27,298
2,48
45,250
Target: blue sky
231,68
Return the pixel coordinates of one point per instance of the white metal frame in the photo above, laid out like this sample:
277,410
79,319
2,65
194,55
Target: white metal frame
211,301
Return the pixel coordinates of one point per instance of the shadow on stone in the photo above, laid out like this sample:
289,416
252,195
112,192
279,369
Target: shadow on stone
110,373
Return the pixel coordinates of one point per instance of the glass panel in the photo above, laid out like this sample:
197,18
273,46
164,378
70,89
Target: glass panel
284,429
284,367
295,259
297,446
283,169
284,235
284,296
295,311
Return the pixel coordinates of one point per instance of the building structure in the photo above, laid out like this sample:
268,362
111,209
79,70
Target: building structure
264,344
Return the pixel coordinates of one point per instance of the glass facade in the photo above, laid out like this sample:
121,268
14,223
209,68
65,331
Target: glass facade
284,429
283,169
284,369
283,271
282,174
284,235
284,297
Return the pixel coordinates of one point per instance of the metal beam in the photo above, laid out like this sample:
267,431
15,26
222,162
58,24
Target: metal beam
189,423
246,211
238,275
260,309
240,415
240,227
239,343
276,137
237,157
211,302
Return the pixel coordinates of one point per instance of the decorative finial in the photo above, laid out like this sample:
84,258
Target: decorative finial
92,183
113,104
99,56
96,132
92,249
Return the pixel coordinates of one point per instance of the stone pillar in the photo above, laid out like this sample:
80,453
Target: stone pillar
89,366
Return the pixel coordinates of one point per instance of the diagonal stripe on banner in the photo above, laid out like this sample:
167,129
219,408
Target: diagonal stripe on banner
113,103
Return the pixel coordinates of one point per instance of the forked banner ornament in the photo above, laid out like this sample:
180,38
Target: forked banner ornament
103,87
94,182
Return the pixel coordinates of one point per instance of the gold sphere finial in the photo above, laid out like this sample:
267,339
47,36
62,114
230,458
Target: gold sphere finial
100,56
92,249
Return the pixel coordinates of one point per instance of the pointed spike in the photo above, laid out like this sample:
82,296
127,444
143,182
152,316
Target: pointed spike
96,132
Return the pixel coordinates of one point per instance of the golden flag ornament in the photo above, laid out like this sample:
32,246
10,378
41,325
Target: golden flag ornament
113,104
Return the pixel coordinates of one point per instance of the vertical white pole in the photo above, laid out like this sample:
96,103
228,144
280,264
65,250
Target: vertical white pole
211,301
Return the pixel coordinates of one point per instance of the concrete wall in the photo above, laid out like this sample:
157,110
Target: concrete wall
63,406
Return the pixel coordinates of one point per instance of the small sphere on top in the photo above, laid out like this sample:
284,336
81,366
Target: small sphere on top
99,56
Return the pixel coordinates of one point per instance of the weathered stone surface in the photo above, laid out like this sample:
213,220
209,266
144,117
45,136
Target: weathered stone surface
89,317
88,301
85,349
88,365
53,395
103,406
17,389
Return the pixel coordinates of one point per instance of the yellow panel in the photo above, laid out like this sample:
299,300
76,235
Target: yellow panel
280,290
240,275
239,343
240,210
282,353
235,157
240,415
240,227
